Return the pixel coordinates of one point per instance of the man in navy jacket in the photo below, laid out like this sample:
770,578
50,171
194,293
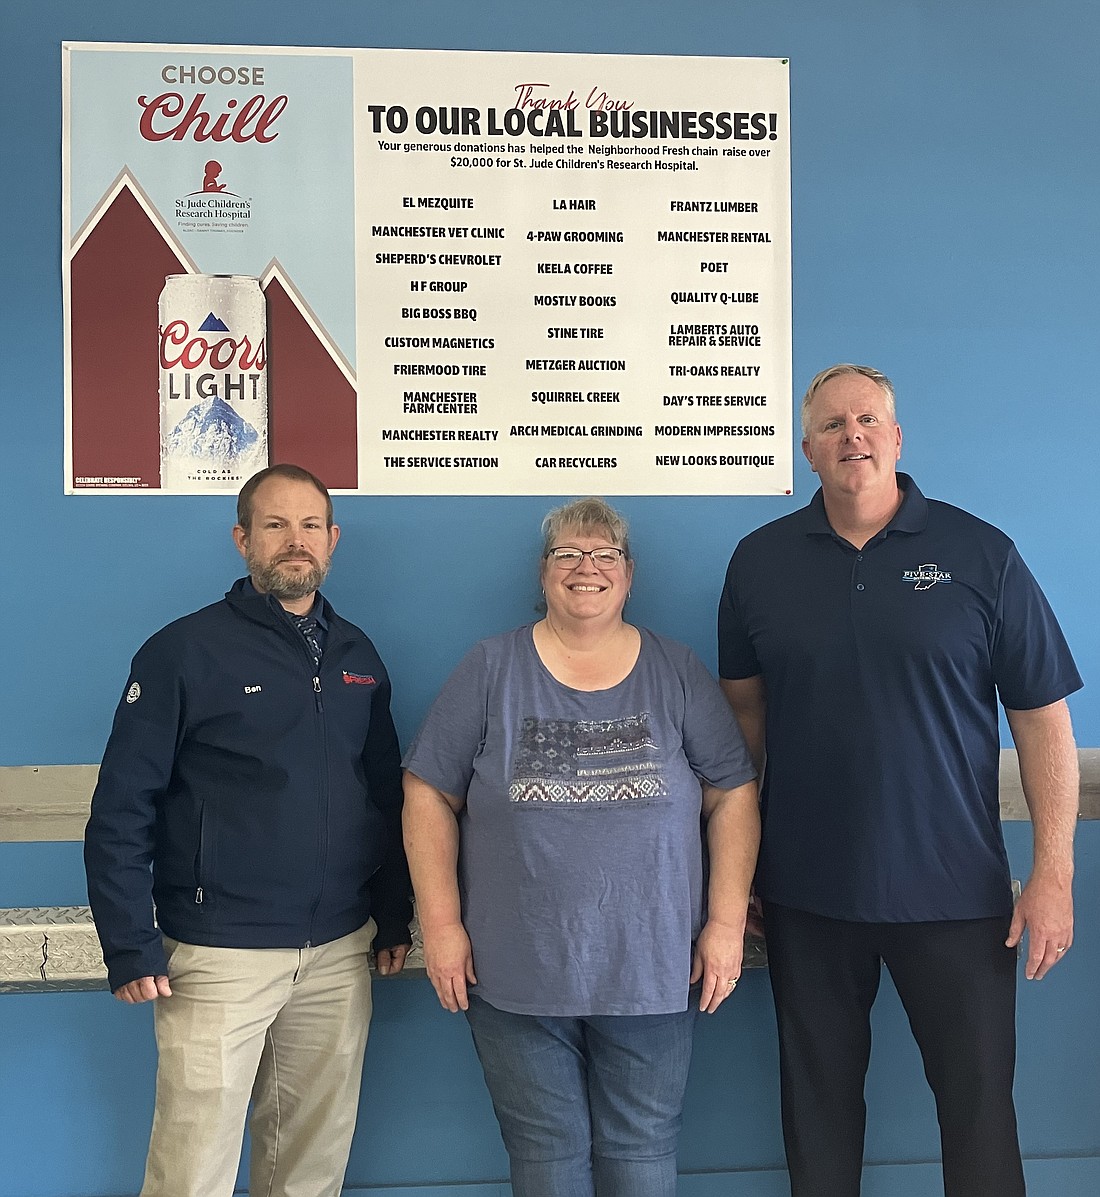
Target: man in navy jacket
251,792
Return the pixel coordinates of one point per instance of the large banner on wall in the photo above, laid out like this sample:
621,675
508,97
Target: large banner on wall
426,272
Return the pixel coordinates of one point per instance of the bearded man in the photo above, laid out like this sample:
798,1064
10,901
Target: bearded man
251,792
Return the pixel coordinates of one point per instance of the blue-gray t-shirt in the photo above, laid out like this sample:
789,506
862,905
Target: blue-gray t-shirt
581,860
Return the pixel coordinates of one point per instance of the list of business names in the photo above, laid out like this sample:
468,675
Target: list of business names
573,275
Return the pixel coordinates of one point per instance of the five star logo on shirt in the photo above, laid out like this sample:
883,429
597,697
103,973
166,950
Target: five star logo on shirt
925,577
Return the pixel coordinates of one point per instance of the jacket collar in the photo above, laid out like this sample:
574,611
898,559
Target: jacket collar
266,608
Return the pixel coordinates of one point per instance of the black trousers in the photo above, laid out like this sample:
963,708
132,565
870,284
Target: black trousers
957,982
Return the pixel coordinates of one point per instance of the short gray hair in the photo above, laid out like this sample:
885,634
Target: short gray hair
586,517
841,368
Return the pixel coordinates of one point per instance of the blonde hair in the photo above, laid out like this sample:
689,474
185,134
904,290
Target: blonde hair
841,368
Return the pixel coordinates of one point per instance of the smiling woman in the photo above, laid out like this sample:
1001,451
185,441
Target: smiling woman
586,575
584,753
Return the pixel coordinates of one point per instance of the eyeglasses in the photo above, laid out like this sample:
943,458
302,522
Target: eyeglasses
568,557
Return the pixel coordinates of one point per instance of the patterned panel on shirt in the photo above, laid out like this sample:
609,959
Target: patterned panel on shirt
603,761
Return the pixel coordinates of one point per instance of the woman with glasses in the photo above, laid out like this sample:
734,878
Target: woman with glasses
553,807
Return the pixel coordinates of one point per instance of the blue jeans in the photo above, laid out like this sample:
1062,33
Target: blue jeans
588,1107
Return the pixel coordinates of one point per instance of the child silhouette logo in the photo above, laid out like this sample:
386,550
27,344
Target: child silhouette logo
210,177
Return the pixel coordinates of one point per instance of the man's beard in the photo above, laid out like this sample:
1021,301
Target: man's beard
287,587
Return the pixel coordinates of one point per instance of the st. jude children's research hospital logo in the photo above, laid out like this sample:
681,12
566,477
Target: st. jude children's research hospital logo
924,577
214,202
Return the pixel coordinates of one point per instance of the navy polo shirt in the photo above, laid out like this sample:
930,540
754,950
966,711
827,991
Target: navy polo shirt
882,669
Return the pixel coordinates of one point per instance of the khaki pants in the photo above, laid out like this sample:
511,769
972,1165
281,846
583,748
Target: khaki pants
286,1027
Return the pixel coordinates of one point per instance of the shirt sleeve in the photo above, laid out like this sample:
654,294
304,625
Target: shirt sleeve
453,732
1032,663
713,743
736,655
121,833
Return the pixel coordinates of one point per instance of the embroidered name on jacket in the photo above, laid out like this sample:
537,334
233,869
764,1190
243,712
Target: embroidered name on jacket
358,679
924,577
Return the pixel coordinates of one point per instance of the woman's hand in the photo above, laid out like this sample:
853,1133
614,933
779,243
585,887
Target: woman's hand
717,961
450,964
733,836
430,821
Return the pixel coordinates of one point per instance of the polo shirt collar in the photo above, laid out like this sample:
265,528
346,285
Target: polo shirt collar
911,516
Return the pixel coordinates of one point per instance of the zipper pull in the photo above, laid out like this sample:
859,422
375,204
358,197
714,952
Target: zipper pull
317,685
198,896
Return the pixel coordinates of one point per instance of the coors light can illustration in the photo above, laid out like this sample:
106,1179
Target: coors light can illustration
213,382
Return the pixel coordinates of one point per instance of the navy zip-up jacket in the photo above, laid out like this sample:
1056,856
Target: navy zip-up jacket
256,805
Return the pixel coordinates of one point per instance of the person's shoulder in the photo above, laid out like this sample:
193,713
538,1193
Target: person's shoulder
482,665
658,641
948,519
494,651
496,655
772,542
794,523
676,653
195,625
503,646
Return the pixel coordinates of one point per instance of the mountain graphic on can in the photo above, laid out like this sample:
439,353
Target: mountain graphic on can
213,382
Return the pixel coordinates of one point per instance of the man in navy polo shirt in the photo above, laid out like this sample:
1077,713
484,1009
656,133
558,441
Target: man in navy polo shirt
864,642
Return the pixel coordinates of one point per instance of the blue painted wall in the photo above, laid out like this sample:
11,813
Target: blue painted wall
946,169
